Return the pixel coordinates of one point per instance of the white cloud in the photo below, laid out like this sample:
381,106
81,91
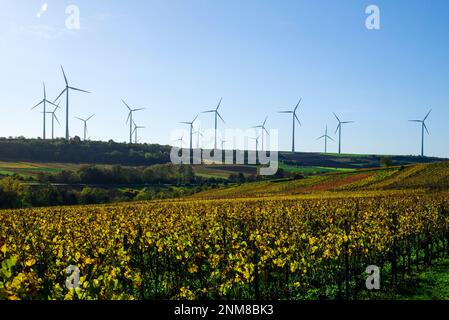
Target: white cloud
43,9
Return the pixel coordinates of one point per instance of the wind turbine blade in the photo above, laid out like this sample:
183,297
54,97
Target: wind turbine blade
126,105
76,89
425,127
56,118
90,117
129,116
415,121
299,102
45,92
37,105
139,109
336,117
265,121
345,122
195,119
210,111
297,119
52,103
285,112
185,123
219,104
220,117
321,137
79,119
266,131
338,127
65,78
329,138
427,115
63,91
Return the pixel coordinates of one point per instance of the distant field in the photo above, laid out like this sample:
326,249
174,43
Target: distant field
311,169
223,171
29,169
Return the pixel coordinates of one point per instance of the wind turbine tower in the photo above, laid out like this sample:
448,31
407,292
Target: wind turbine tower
44,102
340,125
53,118
217,115
325,137
191,131
423,128
66,91
130,119
136,128
263,129
295,119
85,125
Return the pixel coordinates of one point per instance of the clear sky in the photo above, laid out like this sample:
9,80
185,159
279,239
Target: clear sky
177,58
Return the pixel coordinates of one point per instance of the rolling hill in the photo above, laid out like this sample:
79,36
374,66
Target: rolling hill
348,161
424,177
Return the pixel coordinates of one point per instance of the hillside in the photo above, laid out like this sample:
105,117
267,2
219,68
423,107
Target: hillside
348,161
433,176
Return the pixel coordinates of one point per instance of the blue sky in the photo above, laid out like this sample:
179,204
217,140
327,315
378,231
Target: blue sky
178,58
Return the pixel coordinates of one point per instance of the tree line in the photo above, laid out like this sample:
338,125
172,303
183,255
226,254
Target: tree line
77,151
18,194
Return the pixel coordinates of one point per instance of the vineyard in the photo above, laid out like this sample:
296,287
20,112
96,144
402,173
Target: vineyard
310,246
424,177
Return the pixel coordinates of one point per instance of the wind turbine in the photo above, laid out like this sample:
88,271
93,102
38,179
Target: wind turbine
136,128
53,118
423,127
217,115
257,142
199,134
262,127
257,145
295,118
340,124
191,131
66,91
130,119
85,125
325,137
44,102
